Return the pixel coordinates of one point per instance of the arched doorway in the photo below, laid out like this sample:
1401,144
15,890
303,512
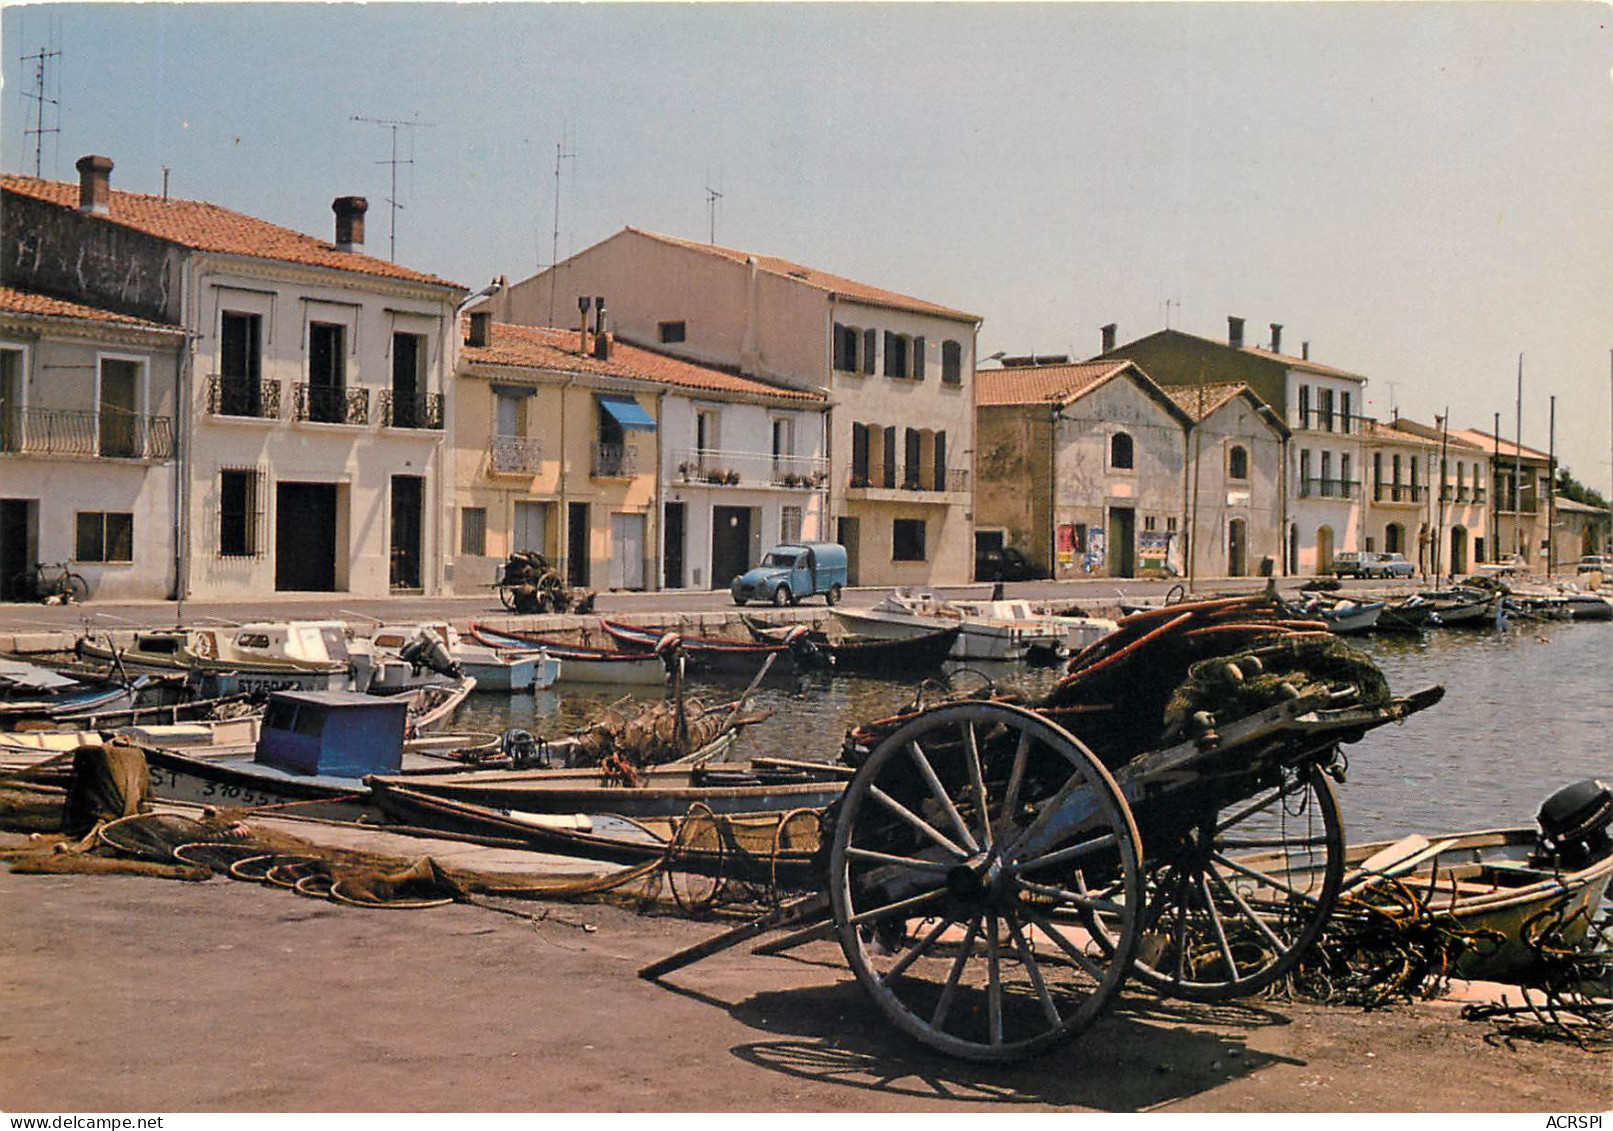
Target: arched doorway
1458,550
1237,548
1324,549
1394,538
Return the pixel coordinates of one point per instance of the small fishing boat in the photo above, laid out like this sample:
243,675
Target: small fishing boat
439,647
581,661
1410,615
1507,882
1346,616
29,692
996,630
866,655
1463,607
262,657
312,754
704,655
656,791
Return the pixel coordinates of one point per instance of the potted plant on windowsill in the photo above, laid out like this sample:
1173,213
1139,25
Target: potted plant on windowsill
716,475
686,470
731,478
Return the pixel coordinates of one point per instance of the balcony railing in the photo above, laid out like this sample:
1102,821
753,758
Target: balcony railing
911,478
331,404
411,410
242,396
1479,494
513,455
613,461
1397,493
1316,420
82,434
724,468
1329,489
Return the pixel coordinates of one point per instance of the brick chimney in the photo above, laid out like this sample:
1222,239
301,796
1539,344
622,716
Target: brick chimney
603,339
1276,337
583,303
1108,333
481,327
95,184
349,221
1235,332
1304,351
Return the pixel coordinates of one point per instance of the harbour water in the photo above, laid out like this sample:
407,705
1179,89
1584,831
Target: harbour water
1526,711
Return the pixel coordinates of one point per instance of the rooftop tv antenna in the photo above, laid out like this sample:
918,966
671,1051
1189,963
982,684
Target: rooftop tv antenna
1170,302
712,197
41,61
561,153
394,161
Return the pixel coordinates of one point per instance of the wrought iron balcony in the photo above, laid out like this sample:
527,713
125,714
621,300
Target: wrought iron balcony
1315,420
1397,493
1329,488
513,455
910,477
82,434
331,404
242,396
405,410
724,468
613,461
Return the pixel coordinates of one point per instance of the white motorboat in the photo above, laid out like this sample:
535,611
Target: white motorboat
439,647
992,630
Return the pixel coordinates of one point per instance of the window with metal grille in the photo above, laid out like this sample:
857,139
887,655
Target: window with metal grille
473,531
789,524
240,512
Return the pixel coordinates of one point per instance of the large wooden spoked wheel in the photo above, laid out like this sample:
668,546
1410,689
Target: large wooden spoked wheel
1236,899
964,859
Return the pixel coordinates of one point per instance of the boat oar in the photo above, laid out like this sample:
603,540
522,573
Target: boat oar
733,716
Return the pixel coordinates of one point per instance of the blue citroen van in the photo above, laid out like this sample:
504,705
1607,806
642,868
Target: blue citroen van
792,571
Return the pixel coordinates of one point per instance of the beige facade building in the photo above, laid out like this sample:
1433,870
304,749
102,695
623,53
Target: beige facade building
1082,467
1454,520
627,467
1520,480
898,374
87,467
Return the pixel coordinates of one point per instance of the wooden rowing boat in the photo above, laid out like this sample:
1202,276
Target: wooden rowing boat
868,655
581,661
704,655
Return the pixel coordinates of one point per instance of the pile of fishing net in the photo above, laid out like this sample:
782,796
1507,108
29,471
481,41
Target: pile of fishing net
624,739
1176,672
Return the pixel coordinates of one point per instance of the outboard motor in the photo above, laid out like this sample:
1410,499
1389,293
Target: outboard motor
523,751
1574,823
426,651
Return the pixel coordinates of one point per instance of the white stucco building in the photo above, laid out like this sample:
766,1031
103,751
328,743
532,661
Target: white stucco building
310,401
87,467
898,373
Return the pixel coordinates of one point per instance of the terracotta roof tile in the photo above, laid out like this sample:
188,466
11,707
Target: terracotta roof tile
536,347
836,285
1216,395
1507,448
1428,433
1042,384
15,301
207,227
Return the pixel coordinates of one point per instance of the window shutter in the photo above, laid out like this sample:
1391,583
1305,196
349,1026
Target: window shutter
859,450
910,473
890,353
918,359
870,341
941,461
890,457
840,346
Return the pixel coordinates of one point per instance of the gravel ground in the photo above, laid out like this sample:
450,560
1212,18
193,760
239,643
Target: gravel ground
133,994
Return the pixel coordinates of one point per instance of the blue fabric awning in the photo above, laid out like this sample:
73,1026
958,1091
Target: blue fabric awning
627,411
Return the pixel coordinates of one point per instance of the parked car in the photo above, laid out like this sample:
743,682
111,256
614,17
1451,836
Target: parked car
1391,565
1004,563
1351,563
792,571
1595,563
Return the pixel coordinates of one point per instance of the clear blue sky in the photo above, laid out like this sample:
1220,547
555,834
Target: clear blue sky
1422,191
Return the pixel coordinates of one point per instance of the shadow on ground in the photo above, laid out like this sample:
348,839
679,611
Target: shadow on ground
1144,1053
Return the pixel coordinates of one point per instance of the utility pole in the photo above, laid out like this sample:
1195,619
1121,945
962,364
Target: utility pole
1517,468
41,60
560,154
1495,494
1439,526
1551,490
393,162
712,197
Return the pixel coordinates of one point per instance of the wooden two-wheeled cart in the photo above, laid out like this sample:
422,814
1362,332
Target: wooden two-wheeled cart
992,882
